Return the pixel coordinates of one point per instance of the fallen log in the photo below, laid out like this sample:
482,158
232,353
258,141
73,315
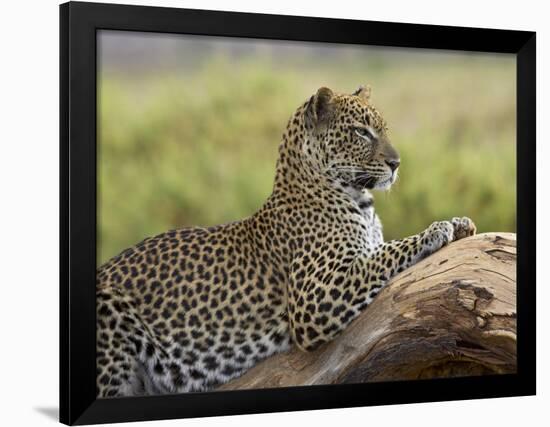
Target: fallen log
453,314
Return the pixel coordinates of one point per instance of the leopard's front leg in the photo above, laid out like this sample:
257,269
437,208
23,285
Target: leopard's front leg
398,255
441,233
322,305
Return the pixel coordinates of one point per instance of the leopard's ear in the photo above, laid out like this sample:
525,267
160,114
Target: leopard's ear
320,106
363,92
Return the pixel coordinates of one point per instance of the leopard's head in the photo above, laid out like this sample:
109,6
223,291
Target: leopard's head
350,141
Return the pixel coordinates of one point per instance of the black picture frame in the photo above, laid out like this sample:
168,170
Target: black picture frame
79,23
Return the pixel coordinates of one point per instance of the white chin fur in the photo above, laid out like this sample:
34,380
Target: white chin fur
386,184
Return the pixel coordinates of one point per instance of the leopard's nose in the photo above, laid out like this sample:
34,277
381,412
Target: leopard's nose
393,164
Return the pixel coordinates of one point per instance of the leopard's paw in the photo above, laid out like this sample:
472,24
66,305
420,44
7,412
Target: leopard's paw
463,227
438,234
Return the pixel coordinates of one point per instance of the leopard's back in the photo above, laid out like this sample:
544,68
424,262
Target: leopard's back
194,307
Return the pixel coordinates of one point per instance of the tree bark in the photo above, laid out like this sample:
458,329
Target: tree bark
453,314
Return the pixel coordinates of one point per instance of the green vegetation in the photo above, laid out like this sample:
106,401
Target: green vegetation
199,148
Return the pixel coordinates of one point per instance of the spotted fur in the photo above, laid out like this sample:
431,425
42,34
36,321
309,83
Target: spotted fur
193,308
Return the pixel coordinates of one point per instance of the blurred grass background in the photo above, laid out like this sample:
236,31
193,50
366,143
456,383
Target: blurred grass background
189,127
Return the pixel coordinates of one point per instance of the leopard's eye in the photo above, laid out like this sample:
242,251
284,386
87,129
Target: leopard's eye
363,133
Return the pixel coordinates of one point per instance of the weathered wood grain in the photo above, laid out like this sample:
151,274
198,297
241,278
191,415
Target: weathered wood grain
453,314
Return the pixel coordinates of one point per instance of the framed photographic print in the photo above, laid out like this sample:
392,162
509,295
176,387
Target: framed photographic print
273,213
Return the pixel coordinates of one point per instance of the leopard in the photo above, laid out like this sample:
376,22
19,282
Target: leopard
194,307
